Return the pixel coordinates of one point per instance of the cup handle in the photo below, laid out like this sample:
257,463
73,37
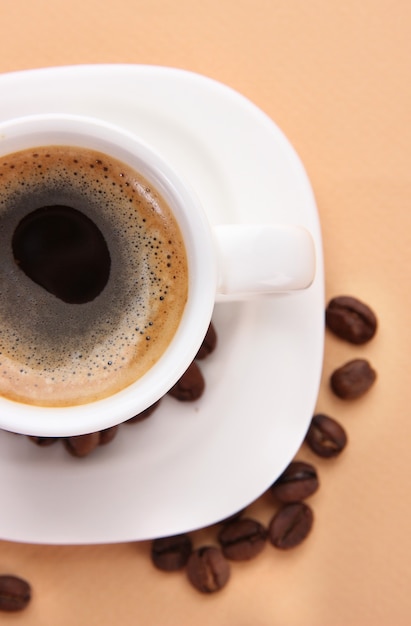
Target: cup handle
263,258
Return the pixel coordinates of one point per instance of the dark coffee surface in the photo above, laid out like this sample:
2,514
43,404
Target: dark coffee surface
62,250
54,352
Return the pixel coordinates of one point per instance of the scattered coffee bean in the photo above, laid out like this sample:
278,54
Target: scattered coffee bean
190,386
350,319
144,414
15,593
171,553
82,445
290,525
107,435
209,343
242,539
207,569
43,442
353,379
326,437
298,481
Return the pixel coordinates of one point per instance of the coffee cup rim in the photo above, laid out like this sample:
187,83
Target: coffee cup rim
52,129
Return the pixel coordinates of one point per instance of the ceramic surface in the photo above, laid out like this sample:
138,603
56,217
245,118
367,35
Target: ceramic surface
188,465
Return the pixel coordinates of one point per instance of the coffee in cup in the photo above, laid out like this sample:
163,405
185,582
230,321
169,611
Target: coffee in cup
93,275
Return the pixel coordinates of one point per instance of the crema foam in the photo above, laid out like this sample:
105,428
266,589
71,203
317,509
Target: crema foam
57,351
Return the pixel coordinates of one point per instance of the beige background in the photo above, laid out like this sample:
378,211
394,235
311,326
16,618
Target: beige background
335,76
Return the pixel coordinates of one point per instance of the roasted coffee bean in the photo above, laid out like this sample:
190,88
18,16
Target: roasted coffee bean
107,435
15,593
171,553
144,414
350,319
82,445
242,539
207,569
290,525
326,437
353,379
209,343
298,481
190,386
43,442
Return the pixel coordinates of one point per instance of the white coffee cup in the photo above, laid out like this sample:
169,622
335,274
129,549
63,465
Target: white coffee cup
225,262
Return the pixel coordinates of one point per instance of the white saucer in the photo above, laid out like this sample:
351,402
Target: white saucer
187,466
